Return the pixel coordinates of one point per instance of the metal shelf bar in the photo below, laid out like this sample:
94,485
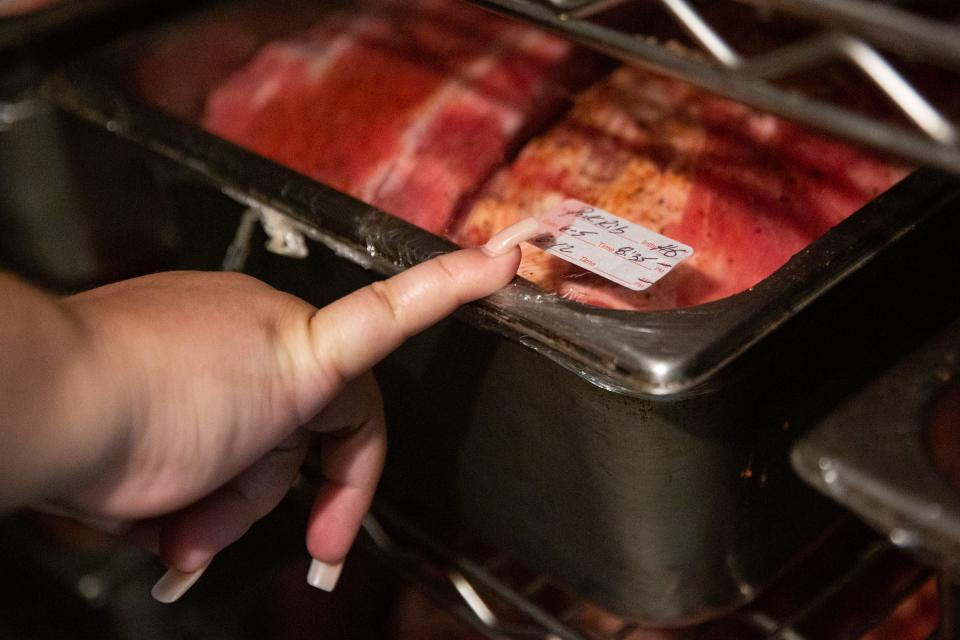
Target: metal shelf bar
792,58
748,80
900,91
888,27
698,28
884,25
474,574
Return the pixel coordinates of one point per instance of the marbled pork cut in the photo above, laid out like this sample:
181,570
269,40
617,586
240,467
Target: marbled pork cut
745,190
408,111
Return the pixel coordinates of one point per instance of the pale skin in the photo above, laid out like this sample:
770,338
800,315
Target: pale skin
182,402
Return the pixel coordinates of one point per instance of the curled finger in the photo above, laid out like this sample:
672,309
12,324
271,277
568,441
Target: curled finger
352,451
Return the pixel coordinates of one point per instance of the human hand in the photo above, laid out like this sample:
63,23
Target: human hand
217,378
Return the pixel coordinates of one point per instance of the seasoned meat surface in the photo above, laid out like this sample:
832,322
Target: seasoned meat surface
417,109
745,190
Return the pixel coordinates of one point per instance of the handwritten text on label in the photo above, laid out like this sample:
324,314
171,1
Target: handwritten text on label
608,245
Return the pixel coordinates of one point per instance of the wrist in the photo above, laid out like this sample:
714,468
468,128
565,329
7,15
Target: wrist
57,421
93,409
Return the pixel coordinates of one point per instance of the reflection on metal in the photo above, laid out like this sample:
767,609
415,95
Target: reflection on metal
377,533
702,32
472,598
854,31
899,90
14,112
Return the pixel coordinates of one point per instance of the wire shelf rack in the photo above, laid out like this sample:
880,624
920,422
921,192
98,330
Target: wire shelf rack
492,594
904,57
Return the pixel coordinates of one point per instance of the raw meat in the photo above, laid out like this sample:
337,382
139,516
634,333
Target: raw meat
188,60
745,190
409,108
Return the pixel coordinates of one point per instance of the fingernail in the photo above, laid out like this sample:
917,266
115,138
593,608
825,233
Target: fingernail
174,584
324,576
510,237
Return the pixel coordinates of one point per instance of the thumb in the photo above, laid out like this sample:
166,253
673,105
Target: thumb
354,333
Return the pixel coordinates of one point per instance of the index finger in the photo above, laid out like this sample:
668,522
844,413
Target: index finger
354,333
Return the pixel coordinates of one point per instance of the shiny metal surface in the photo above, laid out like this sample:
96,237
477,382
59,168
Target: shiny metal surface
882,23
874,456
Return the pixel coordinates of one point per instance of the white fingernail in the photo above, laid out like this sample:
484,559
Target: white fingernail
510,237
174,584
324,576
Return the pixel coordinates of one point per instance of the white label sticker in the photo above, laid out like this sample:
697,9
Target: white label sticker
608,245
